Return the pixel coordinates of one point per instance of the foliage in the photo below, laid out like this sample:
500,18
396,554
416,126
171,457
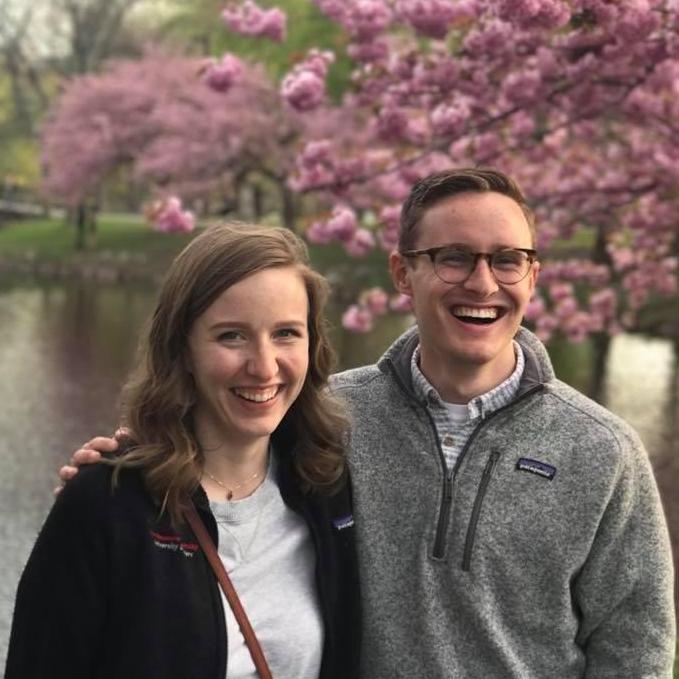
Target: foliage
576,99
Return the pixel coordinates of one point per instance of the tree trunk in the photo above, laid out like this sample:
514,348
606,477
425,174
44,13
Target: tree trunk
257,202
80,223
601,344
288,207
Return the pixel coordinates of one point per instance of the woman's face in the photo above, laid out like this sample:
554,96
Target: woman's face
249,355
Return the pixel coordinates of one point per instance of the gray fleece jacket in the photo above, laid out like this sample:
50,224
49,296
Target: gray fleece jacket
544,554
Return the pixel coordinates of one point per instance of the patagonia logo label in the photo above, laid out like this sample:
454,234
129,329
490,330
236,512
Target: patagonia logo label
525,464
343,522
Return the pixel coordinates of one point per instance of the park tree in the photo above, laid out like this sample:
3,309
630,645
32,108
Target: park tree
167,121
578,99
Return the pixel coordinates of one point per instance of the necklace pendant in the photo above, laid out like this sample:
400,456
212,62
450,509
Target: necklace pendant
229,494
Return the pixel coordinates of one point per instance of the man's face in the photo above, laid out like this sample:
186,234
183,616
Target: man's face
454,340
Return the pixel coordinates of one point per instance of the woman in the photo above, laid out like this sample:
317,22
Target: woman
229,408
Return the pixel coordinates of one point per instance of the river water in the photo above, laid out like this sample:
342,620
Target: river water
65,349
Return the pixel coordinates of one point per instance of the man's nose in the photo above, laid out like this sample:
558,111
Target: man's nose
481,280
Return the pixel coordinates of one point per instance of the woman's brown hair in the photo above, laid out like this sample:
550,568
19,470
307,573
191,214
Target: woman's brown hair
158,398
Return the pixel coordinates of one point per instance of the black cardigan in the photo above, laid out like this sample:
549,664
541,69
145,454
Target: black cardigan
112,590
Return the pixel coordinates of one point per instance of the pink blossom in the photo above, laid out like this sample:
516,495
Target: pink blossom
560,290
319,234
167,216
545,327
535,308
318,151
534,13
401,303
434,18
387,236
360,244
376,300
304,87
357,319
249,19
220,76
522,87
363,20
303,90
604,302
343,223
449,120
565,307
375,50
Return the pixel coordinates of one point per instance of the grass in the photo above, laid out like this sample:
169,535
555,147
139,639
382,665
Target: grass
117,238
120,236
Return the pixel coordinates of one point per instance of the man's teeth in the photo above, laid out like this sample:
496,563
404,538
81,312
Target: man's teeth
475,312
259,395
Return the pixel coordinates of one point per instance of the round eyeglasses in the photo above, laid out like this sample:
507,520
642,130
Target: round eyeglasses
454,265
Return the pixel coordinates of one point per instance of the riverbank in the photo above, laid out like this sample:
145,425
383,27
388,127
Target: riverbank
125,249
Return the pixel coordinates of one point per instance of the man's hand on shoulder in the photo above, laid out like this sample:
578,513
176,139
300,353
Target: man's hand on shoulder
89,453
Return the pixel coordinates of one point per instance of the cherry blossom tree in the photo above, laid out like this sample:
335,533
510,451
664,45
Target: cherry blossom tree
578,99
168,120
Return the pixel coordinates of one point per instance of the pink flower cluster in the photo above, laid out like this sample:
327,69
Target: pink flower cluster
169,217
221,75
304,87
342,227
372,303
528,14
249,19
434,18
363,20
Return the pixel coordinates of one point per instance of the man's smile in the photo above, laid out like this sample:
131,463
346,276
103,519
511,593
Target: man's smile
477,315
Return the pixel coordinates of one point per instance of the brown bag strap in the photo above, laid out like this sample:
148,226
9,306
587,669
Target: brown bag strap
199,530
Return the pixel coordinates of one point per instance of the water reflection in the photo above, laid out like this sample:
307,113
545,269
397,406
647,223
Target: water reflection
65,350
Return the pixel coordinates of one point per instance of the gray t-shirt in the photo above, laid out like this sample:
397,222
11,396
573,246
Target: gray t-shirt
269,555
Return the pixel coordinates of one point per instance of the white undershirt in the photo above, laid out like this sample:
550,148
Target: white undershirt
269,555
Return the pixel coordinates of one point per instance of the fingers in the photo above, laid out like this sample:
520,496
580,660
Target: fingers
123,433
85,456
67,472
102,444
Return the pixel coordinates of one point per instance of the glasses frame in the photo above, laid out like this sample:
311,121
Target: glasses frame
432,252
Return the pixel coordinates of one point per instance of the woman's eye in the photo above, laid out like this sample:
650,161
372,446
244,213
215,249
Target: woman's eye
288,332
229,336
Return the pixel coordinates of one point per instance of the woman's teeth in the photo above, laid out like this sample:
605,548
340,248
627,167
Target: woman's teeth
256,395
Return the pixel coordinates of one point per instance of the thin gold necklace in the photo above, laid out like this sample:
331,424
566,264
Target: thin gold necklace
230,491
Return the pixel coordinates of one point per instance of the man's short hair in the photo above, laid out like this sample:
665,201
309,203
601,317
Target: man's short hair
441,185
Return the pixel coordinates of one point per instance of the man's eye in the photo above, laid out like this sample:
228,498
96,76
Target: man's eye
454,258
508,260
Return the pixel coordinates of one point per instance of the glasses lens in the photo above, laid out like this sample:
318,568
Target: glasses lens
453,265
509,266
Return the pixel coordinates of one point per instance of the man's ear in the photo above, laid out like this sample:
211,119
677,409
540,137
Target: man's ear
400,273
534,271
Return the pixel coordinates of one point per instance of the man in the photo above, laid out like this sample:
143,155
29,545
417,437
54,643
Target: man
508,527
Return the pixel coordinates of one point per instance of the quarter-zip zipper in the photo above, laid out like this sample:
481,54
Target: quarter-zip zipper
476,510
443,519
446,501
